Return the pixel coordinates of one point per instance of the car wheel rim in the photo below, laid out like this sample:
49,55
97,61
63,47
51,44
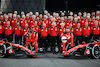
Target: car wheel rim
1,51
96,51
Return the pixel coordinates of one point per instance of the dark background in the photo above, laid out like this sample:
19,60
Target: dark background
73,5
57,5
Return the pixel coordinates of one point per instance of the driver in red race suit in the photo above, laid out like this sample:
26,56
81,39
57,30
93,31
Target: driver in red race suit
68,37
32,36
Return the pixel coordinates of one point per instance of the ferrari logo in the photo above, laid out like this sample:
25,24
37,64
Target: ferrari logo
31,21
51,28
6,27
27,34
4,22
76,29
20,46
15,28
24,30
83,21
60,29
76,46
73,23
42,30
12,21
67,23
21,21
94,28
92,23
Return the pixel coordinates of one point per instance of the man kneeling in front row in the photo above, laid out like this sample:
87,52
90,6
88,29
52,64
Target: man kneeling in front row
32,36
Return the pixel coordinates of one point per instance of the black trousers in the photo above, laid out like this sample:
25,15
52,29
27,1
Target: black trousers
86,39
48,38
59,42
1,36
17,38
44,43
78,39
53,42
9,37
24,41
95,37
39,40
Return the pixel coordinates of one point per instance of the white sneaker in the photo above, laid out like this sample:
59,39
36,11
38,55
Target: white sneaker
63,52
41,49
32,48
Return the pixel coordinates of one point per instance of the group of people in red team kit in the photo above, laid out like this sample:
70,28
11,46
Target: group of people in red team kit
44,30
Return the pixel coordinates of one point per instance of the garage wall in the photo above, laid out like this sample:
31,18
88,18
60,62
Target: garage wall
22,5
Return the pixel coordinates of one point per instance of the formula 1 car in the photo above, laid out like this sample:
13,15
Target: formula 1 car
11,48
91,49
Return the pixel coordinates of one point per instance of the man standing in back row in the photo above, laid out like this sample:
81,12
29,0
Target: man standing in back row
53,36
44,34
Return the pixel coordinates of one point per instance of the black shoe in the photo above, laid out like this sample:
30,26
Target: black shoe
44,52
54,52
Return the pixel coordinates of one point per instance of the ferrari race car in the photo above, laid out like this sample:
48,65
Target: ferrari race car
7,49
91,49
